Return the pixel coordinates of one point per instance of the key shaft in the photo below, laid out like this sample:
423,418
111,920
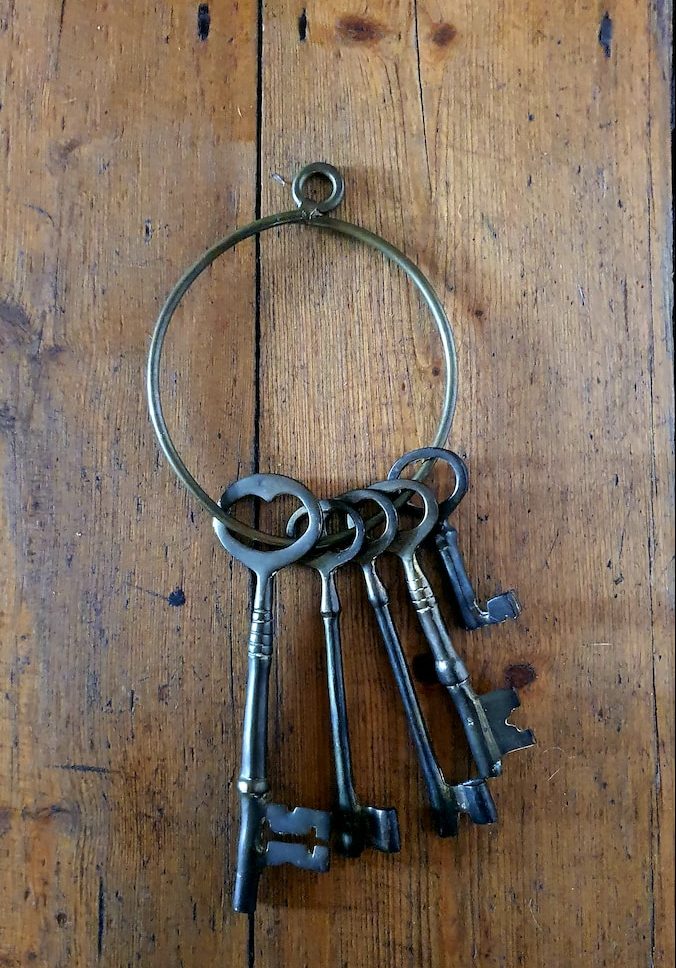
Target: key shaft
346,798
253,772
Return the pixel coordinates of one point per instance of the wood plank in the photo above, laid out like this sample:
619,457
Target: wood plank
520,156
126,158
661,540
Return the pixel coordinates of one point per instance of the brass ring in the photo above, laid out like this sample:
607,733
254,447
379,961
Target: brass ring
315,218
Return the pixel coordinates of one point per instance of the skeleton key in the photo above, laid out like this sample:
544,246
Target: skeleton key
471,797
500,607
263,822
355,826
484,718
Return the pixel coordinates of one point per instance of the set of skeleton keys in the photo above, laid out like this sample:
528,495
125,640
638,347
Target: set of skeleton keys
272,833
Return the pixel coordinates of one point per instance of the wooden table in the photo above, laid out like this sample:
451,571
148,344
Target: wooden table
518,153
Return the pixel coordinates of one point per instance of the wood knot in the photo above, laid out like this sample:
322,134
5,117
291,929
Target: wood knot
65,814
520,674
442,34
360,30
19,332
5,820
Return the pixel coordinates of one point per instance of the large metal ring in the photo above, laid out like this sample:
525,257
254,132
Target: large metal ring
316,219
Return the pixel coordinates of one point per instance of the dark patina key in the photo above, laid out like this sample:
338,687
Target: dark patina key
263,823
355,826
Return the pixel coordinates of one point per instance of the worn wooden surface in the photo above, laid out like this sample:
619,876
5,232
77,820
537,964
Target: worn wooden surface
519,153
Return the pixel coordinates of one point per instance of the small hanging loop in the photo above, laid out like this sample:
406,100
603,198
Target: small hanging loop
309,205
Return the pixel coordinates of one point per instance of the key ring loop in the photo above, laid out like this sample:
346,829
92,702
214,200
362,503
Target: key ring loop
309,213
331,201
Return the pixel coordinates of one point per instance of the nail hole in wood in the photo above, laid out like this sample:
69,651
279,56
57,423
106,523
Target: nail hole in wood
606,34
302,25
203,21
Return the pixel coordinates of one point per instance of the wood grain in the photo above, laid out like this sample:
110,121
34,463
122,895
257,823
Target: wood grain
519,154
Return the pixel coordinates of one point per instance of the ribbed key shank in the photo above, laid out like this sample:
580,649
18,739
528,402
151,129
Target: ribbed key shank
449,666
253,771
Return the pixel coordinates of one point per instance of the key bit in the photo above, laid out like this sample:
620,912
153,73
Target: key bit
474,798
298,822
485,720
355,825
260,823
314,859
446,802
359,827
498,705
497,609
